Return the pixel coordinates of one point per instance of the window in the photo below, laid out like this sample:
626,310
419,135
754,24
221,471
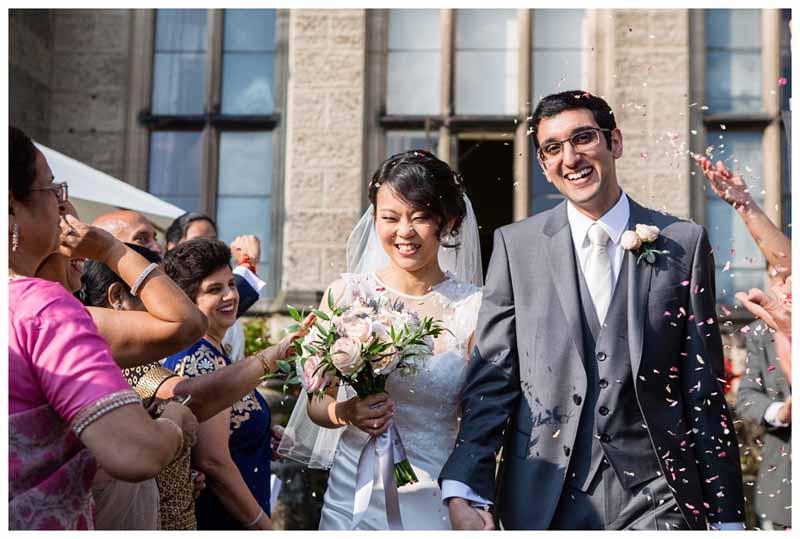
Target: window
461,83
214,120
557,66
742,125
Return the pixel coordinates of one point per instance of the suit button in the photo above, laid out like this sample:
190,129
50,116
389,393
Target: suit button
603,410
601,356
605,438
603,384
576,399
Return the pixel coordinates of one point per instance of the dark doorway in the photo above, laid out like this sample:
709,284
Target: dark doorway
487,167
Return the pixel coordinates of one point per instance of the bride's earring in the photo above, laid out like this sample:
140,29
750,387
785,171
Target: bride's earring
15,237
449,239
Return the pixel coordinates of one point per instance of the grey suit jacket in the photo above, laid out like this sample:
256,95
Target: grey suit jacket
526,381
762,384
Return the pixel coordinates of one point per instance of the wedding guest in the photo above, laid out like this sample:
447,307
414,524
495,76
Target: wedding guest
774,244
130,227
233,448
247,252
167,320
765,399
210,394
70,408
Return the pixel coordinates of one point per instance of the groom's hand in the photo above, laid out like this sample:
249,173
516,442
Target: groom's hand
465,517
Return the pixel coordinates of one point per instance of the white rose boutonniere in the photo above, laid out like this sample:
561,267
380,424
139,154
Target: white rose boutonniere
641,240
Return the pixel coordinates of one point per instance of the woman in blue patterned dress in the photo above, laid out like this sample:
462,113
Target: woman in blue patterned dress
233,447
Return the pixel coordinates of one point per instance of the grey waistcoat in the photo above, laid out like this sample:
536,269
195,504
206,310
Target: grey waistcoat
611,424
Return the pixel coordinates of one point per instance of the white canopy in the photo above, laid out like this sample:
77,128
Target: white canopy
94,193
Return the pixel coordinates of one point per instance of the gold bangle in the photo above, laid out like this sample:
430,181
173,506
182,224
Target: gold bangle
268,366
181,437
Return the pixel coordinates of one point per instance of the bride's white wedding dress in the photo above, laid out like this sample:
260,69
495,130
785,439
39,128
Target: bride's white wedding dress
426,412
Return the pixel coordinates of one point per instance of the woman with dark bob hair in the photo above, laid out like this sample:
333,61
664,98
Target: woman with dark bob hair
416,244
210,394
233,447
70,408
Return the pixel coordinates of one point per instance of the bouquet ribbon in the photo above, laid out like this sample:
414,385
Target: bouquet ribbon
385,451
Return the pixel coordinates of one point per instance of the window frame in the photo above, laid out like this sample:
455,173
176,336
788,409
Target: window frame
768,121
141,122
451,126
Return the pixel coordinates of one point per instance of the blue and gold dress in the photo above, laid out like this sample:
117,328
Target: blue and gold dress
249,440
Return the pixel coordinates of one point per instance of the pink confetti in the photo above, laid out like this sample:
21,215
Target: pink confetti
745,329
722,454
727,266
782,81
667,313
771,368
685,283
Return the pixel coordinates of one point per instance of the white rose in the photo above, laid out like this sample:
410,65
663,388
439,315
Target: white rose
357,328
647,233
346,355
630,240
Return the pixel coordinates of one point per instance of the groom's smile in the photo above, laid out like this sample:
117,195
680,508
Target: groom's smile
584,169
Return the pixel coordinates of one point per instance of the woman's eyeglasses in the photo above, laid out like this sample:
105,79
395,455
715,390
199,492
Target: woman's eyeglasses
58,189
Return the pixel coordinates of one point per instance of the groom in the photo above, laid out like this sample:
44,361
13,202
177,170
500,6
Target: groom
597,370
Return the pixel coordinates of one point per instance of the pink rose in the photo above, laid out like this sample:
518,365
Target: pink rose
387,363
314,381
346,355
357,328
630,240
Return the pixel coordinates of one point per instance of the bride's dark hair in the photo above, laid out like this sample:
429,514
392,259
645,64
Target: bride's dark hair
426,183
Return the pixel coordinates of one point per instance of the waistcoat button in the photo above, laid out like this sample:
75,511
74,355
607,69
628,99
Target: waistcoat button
601,356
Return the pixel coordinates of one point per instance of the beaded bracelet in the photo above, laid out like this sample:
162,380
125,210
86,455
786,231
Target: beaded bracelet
147,271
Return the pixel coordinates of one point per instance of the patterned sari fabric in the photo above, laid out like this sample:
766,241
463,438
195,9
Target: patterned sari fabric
49,474
249,440
62,378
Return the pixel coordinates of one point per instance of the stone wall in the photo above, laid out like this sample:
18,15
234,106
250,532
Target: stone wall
89,85
30,62
647,84
324,144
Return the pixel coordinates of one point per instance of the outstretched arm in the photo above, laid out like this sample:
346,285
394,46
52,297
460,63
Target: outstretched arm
774,244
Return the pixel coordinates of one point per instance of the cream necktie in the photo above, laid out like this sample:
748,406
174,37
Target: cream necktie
597,272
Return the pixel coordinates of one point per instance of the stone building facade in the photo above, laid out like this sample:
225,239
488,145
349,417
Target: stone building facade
81,79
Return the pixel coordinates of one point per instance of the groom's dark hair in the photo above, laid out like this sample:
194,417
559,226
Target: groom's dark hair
555,104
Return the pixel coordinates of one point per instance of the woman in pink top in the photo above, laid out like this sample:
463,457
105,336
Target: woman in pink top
70,408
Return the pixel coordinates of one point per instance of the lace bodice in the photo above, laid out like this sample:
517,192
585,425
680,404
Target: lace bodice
426,402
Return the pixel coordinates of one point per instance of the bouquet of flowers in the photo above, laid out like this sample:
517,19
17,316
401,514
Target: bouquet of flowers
361,345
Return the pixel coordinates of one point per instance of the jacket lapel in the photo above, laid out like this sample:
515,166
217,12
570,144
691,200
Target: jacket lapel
639,276
561,260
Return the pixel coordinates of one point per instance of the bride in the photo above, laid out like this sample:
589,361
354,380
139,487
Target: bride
417,243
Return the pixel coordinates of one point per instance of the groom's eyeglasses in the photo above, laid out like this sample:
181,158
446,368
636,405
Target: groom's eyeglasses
581,142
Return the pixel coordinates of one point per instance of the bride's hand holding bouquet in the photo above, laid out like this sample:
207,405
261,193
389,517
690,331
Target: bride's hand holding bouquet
361,345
